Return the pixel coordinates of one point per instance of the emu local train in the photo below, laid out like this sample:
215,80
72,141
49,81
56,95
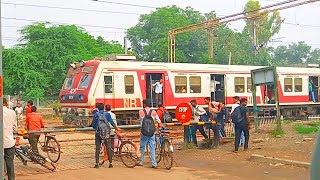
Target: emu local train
123,82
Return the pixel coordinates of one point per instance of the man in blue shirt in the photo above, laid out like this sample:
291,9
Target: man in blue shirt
98,140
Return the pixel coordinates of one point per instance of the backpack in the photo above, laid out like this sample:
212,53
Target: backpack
236,115
104,128
166,117
148,127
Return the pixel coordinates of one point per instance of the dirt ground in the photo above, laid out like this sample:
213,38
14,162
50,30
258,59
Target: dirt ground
221,163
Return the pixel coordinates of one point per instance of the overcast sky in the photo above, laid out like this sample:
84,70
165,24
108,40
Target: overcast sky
302,23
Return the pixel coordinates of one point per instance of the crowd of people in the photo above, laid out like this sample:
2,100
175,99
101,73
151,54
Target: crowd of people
217,111
33,122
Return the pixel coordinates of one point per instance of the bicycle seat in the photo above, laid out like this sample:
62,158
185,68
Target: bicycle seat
165,131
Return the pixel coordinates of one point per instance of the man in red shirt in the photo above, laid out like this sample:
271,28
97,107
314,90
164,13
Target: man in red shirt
29,105
34,122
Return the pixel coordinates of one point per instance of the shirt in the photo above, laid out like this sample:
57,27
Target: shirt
28,111
158,87
34,122
95,121
237,104
311,87
9,125
114,118
243,111
197,109
19,110
154,115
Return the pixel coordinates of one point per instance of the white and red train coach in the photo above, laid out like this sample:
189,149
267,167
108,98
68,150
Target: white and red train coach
123,82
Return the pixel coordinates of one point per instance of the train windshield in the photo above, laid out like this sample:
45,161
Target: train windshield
69,82
85,80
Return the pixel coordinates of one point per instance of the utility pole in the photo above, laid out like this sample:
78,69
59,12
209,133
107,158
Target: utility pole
210,44
125,44
255,37
1,102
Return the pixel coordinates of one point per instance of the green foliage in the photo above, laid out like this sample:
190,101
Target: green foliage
309,128
295,54
39,64
277,132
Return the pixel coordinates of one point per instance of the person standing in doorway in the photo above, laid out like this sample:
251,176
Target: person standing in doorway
312,88
158,90
9,126
242,125
236,104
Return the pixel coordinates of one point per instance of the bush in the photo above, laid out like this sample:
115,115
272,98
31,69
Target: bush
303,129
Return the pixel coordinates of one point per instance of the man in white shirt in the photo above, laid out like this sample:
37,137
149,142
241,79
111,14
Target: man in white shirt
158,90
236,104
19,111
197,112
9,125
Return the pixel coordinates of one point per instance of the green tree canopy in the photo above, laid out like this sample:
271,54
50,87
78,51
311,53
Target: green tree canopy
38,65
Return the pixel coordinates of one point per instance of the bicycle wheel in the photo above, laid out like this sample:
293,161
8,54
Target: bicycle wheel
128,154
43,162
167,154
52,147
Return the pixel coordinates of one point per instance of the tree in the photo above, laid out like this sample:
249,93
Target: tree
149,38
296,54
266,26
39,63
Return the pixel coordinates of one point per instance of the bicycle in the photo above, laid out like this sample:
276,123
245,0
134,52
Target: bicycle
126,150
51,146
164,148
25,154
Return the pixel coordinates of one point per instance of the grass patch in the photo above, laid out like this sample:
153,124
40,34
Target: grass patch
306,129
277,132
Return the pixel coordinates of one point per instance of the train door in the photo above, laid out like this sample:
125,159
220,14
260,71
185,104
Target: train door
151,80
108,86
269,94
217,87
316,82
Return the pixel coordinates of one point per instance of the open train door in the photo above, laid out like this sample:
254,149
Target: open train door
151,79
108,84
217,87
315,80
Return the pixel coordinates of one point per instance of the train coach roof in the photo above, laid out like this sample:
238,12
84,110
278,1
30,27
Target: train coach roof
142,65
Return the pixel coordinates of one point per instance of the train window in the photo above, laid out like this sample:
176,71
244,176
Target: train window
108,84
181,84
84,82
69,82
287,84
195,84
297,84
129,84
239,84
249,85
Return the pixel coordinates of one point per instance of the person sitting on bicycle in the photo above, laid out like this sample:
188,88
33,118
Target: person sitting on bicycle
98,140
34,122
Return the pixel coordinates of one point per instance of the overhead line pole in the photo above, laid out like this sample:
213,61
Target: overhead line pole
226,19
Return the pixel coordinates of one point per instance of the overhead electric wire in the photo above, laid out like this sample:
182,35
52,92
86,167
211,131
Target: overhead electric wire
67,8
126,4
87,25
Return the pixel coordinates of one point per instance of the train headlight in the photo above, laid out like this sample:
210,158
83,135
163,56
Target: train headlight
63,97
81,97
81,63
